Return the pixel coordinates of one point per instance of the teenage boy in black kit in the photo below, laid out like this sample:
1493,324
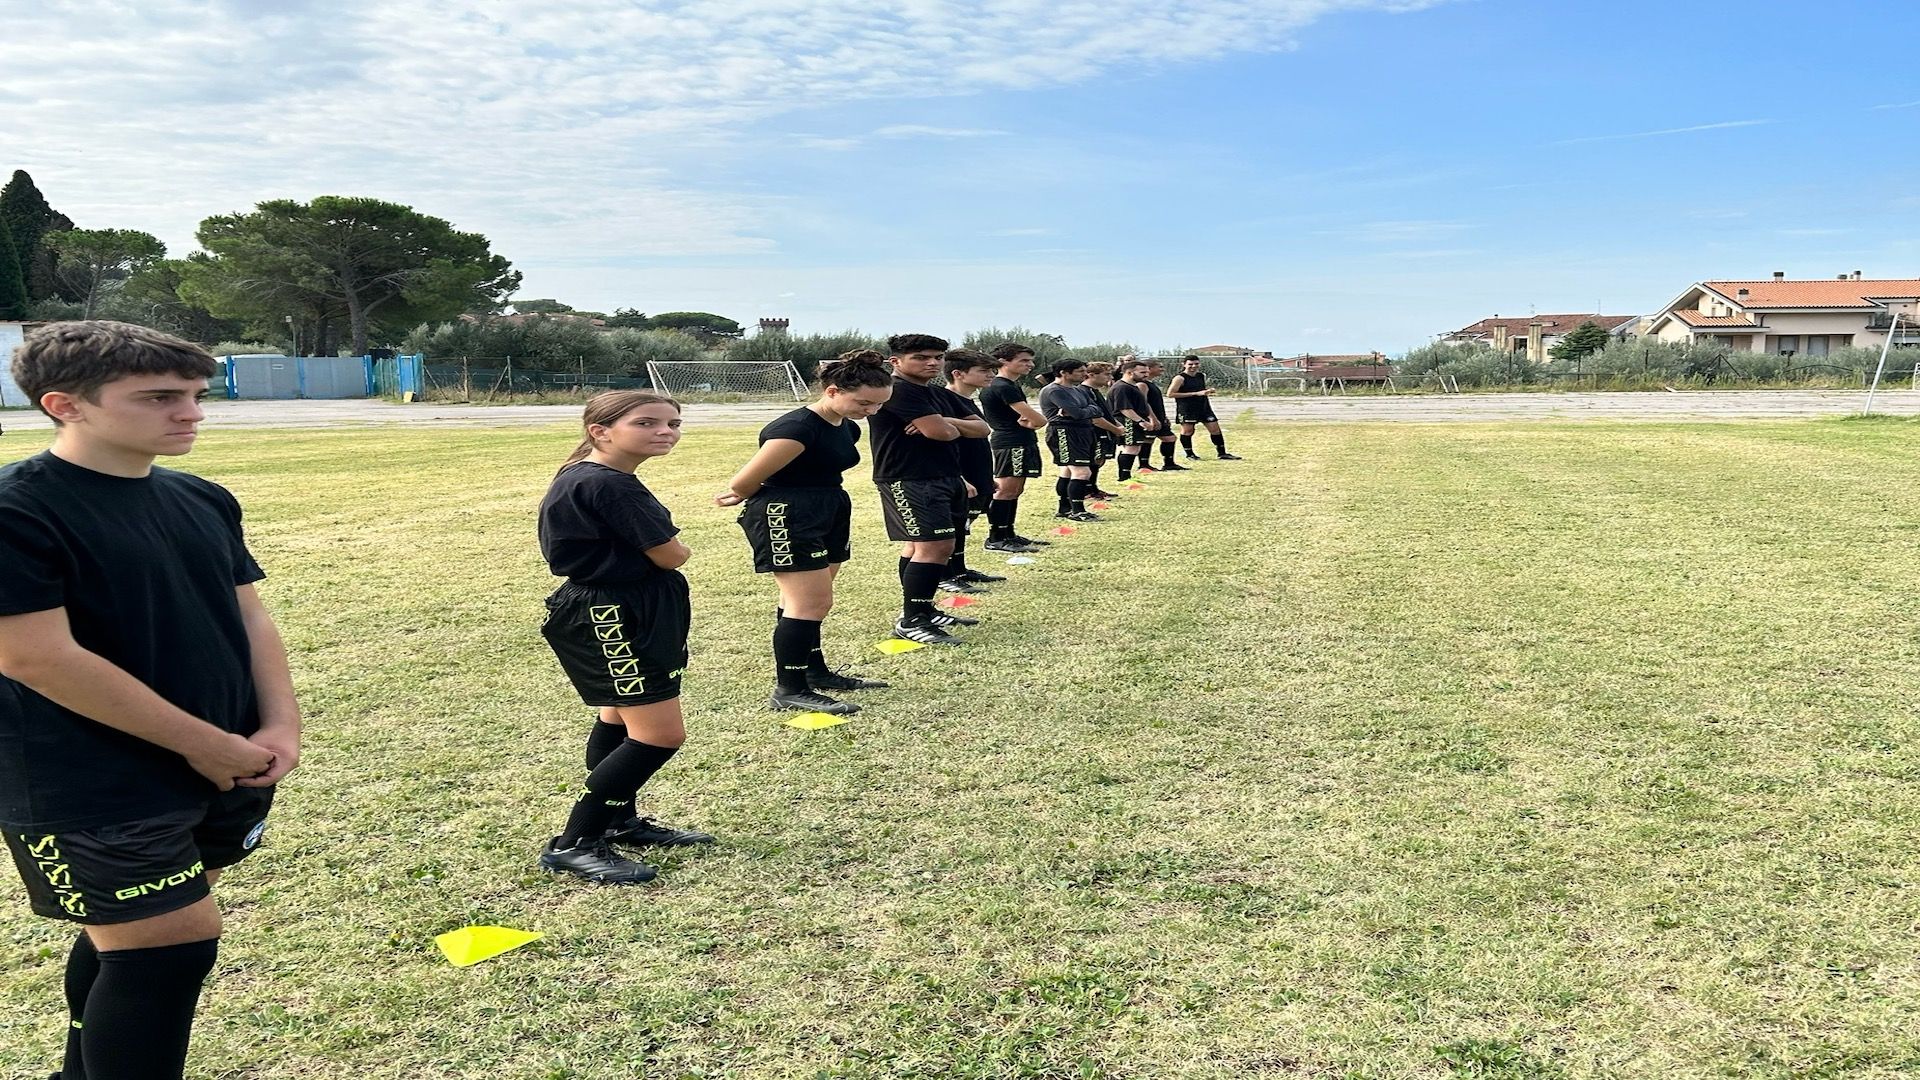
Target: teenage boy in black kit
146,712
1157,402
1015,446
917,469
968,372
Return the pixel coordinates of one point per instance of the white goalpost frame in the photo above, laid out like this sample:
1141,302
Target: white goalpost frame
1882,366
677,376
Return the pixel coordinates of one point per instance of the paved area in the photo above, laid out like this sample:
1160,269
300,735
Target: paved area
1450,408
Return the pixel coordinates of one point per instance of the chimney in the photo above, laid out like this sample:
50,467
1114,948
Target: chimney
1856,275
1779,275
1842,277
1741,296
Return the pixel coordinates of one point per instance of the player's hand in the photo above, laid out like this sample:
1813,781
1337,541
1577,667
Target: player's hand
727,498
285,748
1030,423
972,492
1151,425
229,756
1208,392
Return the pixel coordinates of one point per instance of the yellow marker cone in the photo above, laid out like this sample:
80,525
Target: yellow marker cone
898,645
814,721
469,945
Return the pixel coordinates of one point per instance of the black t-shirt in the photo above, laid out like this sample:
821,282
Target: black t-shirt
596,525
146,569
996,405
1156,401
829,449
1123,396
976,458
898,455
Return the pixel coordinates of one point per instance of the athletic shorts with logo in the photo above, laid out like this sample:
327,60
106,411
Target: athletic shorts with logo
621,646
1136,433
1195,411
792,529
1103,445
917,510
138,869
1018,460
1071,445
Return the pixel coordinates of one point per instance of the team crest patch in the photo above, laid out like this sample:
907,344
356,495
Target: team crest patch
253,836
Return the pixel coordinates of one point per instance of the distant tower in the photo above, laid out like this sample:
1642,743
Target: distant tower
774,326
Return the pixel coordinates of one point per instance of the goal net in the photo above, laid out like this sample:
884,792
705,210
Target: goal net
727,379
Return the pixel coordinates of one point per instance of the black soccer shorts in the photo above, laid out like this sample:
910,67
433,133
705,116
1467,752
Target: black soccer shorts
625,646
921,510
138,869
1018,461
1199,413
792,529
1136,433
1071,445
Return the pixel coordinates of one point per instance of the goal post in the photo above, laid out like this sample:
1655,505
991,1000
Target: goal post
694,379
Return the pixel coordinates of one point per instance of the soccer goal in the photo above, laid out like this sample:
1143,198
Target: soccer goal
777,379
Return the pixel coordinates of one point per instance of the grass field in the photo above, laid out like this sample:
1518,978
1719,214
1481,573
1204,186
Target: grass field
1395,751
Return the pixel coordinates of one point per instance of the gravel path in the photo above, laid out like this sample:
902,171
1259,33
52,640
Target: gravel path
1688,406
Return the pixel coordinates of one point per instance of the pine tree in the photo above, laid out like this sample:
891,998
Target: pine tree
1583,340
13,285
27,214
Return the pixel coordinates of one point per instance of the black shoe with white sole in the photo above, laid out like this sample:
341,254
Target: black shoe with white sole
945,619
975,577
961,586
926,633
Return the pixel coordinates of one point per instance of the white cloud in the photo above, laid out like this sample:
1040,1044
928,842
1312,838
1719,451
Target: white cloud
1663,131
1899,105
570,134
925,131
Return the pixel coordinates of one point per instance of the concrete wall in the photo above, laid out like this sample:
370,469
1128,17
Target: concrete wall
11,335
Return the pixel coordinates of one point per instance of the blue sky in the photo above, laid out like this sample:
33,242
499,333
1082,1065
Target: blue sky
1294,175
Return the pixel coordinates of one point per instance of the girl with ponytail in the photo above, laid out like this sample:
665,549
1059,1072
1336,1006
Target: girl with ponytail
798,520
619,628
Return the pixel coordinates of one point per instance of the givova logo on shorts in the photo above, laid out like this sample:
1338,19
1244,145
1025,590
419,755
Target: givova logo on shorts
53,866
903,507
777,534
622,666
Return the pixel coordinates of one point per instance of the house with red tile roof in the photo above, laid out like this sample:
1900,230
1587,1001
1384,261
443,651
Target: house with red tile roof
1533,335
1794,316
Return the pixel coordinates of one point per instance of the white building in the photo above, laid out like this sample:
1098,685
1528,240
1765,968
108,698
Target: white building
1795,317
11,334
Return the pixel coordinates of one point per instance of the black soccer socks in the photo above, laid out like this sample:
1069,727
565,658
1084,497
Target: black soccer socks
1186,442
139,1013
1077,496
1126,466
83,967
1000,514
921,582
1060,488
1166,452
1220,442
611,786
604,739
794,643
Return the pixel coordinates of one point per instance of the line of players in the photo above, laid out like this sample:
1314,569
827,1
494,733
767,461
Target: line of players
147,712
943,457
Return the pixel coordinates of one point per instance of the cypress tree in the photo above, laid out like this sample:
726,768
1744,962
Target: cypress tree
13,285
26,212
